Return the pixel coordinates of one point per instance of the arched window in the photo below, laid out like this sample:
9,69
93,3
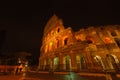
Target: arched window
113,33
89,39
58,30
67,62
65,41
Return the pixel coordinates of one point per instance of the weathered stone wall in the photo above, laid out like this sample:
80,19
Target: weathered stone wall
95,48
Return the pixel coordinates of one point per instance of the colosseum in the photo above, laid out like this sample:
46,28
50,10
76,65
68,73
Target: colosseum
88,49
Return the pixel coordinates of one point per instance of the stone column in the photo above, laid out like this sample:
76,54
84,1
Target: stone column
88,60
52,63
73,61
47,64
61,61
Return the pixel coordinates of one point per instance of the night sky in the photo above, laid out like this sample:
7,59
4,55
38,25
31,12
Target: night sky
22,26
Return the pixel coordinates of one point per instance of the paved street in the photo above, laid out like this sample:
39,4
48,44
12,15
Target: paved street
17,77
41,76
10,77
47,76
50,76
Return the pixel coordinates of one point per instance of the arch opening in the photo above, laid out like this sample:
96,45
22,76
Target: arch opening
67,62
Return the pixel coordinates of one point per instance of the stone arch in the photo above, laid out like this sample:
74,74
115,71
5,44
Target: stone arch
99,61
90,39
113,33
67,62
112,61
81,63
65,41
58,29
56,63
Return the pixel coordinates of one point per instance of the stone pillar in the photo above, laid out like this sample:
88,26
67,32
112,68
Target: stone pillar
88,60
73,62
105,64
47,64
52,64
61,61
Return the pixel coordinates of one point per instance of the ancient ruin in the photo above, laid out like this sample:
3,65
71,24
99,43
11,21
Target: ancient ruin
88,49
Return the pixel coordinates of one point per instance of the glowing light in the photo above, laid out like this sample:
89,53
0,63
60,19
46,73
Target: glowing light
108,40
51,43
50,46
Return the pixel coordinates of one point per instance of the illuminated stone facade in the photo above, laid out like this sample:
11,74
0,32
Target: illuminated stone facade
88,49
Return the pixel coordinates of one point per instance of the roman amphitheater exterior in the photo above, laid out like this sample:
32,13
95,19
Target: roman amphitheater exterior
88,49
